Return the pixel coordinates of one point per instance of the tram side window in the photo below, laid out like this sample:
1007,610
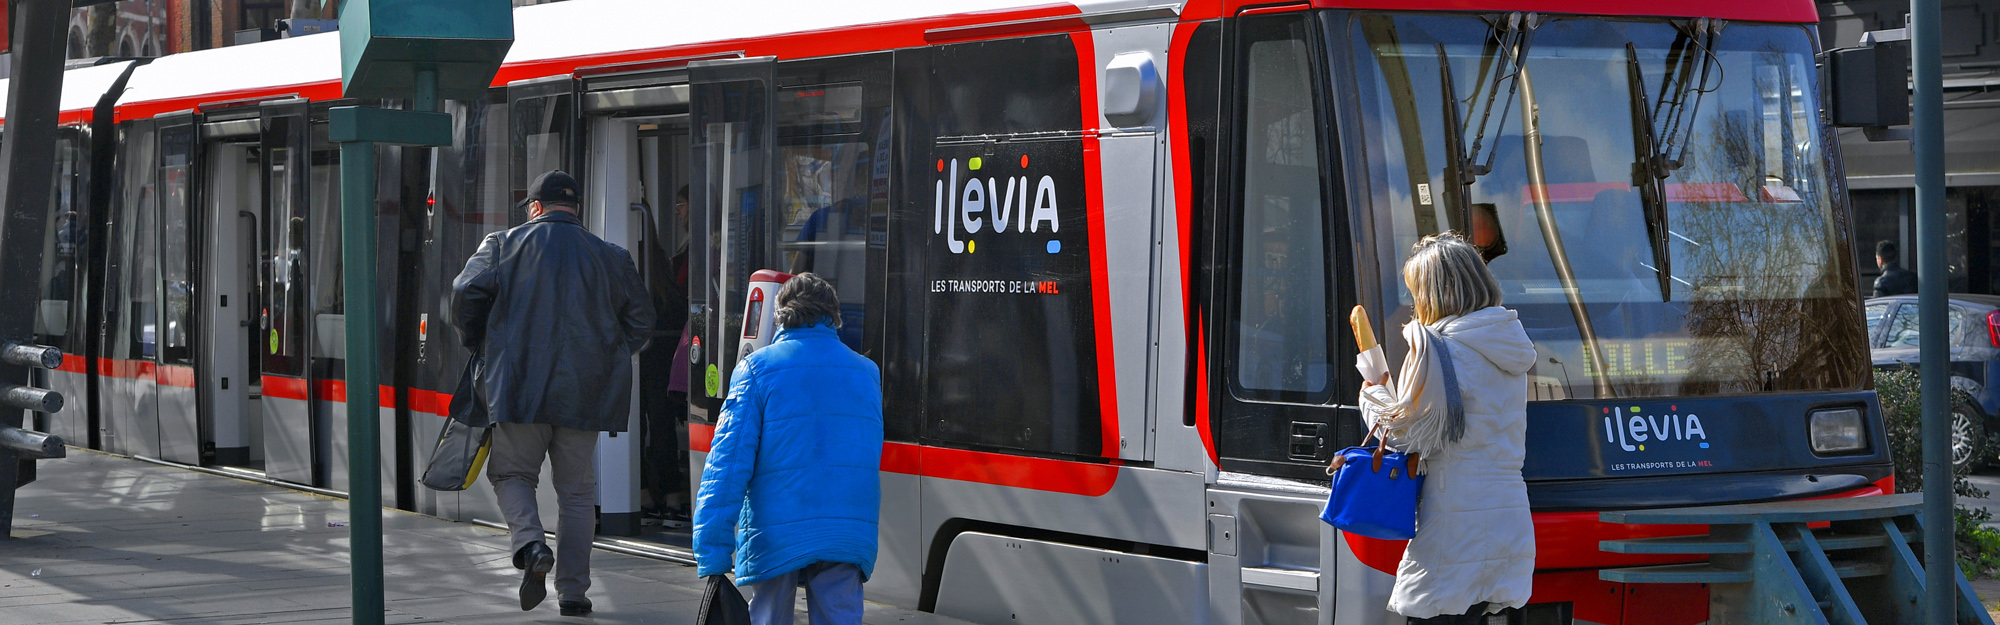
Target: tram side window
138,243
1007,86
63,246
1281,336
832,176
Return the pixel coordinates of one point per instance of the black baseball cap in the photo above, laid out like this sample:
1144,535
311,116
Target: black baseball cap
555,187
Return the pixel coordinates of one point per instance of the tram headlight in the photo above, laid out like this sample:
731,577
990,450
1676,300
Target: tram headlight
1837,431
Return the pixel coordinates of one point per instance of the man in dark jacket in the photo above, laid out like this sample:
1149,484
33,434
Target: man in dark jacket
1895,280
558,314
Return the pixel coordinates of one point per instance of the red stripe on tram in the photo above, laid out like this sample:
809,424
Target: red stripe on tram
1089,479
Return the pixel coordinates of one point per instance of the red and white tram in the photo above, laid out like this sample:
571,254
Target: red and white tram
1100,249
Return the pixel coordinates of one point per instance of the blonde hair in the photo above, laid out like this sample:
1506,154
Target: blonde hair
1447,277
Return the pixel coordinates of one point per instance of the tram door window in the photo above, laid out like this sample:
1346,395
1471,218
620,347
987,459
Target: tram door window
1011,348
134,425
292,436
63,244
1276,413
731,143
181,428
543,116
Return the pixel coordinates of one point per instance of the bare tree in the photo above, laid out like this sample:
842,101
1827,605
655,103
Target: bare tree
101,30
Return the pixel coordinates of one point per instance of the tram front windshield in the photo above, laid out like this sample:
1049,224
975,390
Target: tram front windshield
1652,194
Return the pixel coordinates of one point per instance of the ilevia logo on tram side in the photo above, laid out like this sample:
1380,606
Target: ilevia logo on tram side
980,201
1631,431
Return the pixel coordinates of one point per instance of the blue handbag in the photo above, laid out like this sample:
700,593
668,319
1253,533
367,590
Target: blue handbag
1375,490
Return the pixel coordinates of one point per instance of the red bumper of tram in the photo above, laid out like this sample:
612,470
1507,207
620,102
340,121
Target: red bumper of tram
1567,560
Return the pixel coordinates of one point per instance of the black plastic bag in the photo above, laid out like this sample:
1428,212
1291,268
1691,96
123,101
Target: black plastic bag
721,604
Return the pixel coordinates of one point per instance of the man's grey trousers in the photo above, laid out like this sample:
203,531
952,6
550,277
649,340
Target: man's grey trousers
514,465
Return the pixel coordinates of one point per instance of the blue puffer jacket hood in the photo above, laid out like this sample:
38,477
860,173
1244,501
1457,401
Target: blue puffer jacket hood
801,436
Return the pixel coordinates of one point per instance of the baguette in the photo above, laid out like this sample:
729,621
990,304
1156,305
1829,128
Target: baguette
1373,365
1364,332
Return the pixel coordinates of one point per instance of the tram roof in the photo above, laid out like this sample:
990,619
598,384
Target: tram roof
82,88
557,38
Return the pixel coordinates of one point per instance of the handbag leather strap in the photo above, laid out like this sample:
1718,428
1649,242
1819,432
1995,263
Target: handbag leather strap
1380,445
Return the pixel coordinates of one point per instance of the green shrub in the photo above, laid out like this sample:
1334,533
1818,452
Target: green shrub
1902,417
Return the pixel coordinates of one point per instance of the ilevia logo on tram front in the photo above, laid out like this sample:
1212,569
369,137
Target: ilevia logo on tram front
1021,208
1669,433
1631,431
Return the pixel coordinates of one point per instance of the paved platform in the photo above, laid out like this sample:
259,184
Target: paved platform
106,539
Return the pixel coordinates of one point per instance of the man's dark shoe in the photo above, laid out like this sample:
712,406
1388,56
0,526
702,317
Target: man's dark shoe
575,607
536,559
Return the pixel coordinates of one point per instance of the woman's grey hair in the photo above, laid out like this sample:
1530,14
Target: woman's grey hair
1446,277
808,300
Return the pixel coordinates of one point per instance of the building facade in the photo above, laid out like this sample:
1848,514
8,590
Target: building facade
146,28
1880,174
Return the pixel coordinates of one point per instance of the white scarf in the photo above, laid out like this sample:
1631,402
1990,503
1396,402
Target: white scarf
1419,418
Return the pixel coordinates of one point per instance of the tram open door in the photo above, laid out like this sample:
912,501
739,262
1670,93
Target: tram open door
636,117
639,116
230,209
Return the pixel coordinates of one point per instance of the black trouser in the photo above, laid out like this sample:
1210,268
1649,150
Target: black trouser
1475,615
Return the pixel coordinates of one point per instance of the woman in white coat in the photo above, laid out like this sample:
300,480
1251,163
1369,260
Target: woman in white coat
1474,552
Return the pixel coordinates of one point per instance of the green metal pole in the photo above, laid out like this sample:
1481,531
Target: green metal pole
364,467
1927,141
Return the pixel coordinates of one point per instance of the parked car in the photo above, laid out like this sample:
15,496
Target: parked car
1974,322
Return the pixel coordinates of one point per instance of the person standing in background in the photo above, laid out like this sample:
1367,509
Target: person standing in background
1895,280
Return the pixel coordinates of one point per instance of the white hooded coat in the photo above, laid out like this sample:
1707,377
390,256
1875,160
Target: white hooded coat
1475,539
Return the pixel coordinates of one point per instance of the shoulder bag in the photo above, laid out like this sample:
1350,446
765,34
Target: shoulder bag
467,435
1375,489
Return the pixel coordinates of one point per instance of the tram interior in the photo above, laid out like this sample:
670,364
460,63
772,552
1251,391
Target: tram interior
235,209
658,180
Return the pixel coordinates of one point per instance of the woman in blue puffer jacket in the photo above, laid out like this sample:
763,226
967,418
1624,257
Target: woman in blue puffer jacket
791,485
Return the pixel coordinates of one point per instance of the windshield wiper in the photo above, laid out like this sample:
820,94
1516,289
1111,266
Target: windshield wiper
1463,167
1458,176
1509,36
1647,170
1696,36
1656,160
